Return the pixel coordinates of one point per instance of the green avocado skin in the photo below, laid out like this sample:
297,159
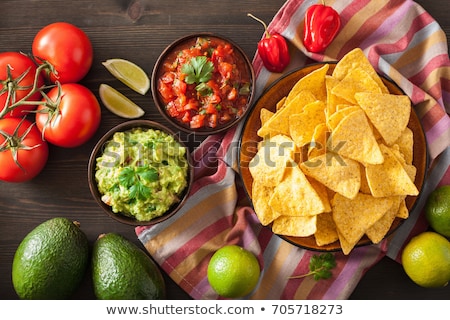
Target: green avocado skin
122,271
51,261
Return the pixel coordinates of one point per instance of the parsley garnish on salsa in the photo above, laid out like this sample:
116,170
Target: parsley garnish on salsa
205,83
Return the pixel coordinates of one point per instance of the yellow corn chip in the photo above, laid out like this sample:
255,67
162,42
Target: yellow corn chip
389,113
337,173
381,227
364,188
260,199
406,143
389,178
273,157
265,115
403,211
354,217
410,169
346,245
332,100
357,80
322,192
326,232
295,226
279,122
339,114
357,59
313,82
280,104
319,141
354,139
294,196
302,125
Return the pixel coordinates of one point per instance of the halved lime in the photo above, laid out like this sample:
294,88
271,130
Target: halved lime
129,73
118,104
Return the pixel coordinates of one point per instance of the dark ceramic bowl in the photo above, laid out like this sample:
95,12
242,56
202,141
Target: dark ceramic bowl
168,56
97,152
249,146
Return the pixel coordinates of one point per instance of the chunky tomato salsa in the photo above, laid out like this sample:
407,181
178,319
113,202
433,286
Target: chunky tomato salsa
205,83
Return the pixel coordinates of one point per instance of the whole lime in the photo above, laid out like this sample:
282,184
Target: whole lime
233,271
426,259
437,210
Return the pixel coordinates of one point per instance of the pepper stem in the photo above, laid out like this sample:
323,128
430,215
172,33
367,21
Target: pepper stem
262,22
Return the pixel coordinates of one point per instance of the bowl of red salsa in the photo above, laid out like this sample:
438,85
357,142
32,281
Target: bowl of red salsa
203,83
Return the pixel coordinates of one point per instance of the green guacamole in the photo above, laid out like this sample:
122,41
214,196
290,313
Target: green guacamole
142,173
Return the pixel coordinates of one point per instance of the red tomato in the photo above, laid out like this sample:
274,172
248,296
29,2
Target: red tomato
74,121
67,48
23,153
22,71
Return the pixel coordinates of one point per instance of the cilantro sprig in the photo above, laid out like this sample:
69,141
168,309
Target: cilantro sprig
134,180
198,70
320,267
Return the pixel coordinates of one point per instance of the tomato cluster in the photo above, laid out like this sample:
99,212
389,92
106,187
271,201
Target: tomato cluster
42,102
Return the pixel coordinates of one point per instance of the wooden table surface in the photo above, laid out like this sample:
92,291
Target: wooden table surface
62,189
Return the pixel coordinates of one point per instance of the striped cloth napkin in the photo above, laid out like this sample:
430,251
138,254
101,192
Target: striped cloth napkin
403,42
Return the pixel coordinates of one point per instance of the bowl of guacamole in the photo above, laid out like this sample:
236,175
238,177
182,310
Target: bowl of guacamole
140,172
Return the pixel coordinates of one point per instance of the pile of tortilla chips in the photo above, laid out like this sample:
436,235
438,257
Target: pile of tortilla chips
336,157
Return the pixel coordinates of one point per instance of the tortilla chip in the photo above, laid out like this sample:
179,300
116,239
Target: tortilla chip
346,245
295,226
279,122
410,169
389,178
265,115
318,145
302,125
294,196
260,199
340,113
354,139
357,59
322,192
313,82
273,157
280,104
357,80
326,232
406,144
337,173
403,211
364,188
379,229
389,113
332,100
354,217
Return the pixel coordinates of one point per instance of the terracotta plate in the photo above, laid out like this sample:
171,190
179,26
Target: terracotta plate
249,141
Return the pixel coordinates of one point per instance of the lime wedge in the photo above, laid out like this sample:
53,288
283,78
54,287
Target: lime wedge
118,104
129,73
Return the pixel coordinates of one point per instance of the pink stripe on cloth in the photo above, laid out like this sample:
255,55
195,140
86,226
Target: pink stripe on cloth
218,212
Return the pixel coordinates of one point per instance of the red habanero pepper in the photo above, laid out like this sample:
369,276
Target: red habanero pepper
273,49
322,24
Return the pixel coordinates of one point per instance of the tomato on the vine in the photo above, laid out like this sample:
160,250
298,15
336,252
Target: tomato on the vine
72,121
23,153
67,48
17,76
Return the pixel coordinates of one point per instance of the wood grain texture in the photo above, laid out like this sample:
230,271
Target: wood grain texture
62,189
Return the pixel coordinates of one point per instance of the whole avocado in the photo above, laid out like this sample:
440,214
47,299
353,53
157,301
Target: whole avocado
51,260
122,271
